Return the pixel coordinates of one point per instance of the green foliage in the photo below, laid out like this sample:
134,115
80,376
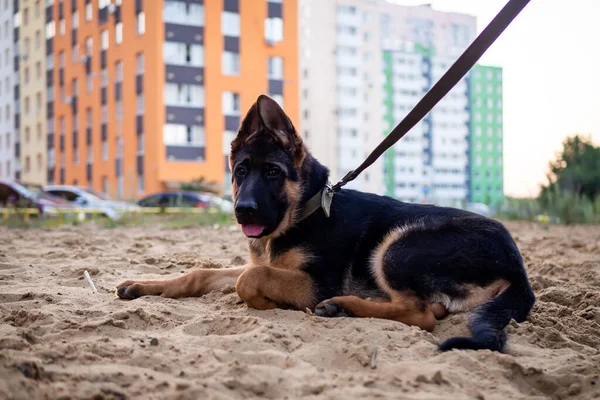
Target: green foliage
575,170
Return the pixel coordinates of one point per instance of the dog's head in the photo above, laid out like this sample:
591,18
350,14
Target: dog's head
266,162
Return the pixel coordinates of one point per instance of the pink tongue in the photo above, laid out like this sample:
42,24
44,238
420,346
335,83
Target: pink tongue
252,230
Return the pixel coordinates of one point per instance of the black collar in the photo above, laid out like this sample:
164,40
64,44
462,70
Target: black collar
322,199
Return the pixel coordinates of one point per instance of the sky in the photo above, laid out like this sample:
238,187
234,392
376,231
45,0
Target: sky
550,56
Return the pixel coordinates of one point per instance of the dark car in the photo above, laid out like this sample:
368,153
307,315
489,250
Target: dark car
23,195
186,199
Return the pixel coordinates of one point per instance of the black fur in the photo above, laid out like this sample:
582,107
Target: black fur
449,249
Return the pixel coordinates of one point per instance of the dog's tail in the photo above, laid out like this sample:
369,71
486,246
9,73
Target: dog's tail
488,321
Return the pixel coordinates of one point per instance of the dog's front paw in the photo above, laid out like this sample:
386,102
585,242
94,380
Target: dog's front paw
129,290
331,308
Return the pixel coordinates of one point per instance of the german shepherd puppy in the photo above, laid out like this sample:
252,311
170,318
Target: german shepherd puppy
372,257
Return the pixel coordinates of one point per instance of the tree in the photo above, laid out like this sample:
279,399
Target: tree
575,170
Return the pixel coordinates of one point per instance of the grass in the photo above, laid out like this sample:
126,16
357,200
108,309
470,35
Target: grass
559,207
15,221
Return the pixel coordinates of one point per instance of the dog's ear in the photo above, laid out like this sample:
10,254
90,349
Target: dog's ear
267,117
276,121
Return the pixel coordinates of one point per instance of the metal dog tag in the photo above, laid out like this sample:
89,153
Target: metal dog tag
326,199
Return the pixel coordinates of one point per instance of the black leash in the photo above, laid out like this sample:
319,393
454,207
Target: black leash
456,72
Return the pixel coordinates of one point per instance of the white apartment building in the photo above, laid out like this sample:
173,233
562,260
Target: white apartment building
8,134
364,65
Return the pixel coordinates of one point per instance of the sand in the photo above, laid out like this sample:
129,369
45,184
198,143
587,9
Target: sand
59,340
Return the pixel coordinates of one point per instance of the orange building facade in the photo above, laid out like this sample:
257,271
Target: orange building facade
147,94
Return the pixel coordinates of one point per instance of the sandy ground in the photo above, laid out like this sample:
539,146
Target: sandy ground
58,340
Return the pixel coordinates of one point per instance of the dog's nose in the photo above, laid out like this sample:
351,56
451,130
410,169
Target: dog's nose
246,208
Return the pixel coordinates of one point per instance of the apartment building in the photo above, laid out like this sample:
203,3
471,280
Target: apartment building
8,132
486,166
31,89
132,97
364,65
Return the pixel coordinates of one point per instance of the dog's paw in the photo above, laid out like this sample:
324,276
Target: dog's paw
128,292
331,309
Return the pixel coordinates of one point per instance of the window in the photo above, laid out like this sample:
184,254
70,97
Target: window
75,54
61,59
26,105
89,83
89,46
183,54
119,33
103,78
105,151
75,20
275,70
104,40
140,144
38,40
26,47
230,24
27,134
105,184
90,155
182,12
103,3
88,12
140,104
37,9
119,112
183,135
139,62
38,131
184,95
273,30
76,156
25,16
231,103
50,30
140,184
141,23
75,88
26,75
104,114
62,29
230,64
38,103
119,71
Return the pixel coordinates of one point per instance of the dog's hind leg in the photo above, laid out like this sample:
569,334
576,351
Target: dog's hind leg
193,284
403,307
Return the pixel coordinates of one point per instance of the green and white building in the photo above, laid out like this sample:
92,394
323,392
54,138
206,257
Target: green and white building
485,144
364,65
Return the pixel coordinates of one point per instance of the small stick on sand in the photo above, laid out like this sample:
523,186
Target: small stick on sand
89,279
374,357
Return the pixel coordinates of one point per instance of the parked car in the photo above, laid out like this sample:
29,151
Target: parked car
23,195
186,199
88,198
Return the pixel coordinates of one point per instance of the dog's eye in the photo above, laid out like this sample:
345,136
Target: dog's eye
273,171
241,171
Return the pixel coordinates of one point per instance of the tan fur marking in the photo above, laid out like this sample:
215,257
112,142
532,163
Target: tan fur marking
294,258
192,284
477,295
293,192
404,308
377,257
264,287
260,251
